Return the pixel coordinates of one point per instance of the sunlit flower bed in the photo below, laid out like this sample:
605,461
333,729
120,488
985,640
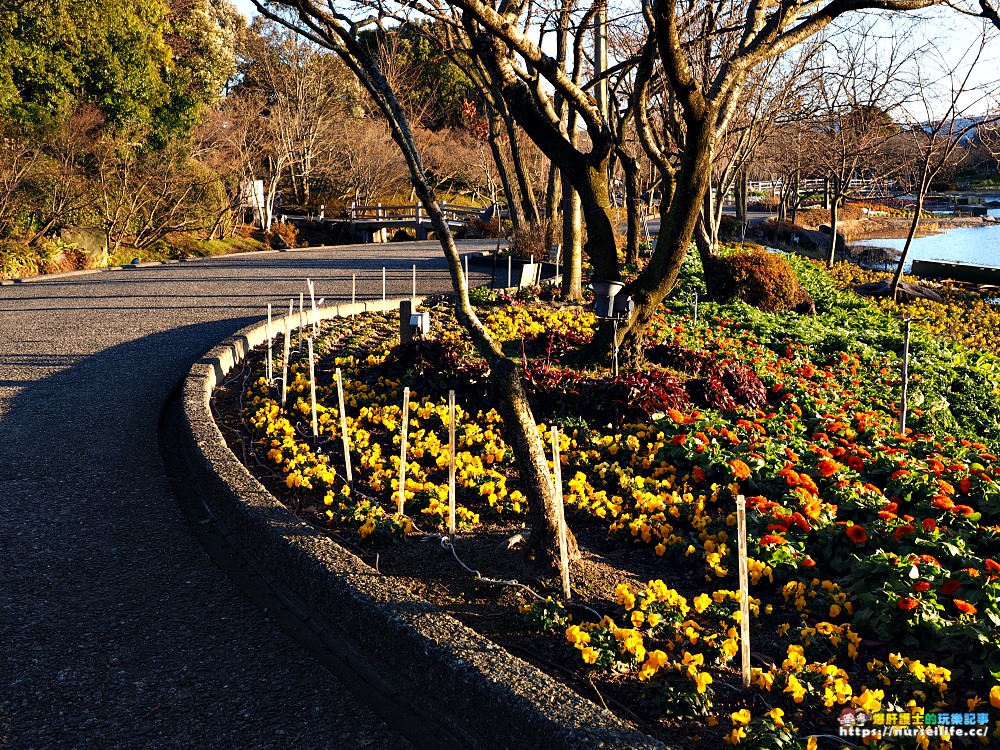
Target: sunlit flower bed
873,556
965,317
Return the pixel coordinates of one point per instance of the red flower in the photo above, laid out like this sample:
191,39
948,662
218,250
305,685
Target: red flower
697,474
964,607
899,532
929,524
857,534
965,485
965,510
679,438
855,463
950,587
921,586
899,473
770,539
907,603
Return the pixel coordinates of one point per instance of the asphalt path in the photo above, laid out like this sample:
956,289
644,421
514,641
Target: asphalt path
116,629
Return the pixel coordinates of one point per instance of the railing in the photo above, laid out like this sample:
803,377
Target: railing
815,185
410,212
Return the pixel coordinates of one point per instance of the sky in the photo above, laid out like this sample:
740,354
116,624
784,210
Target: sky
245,7
954,33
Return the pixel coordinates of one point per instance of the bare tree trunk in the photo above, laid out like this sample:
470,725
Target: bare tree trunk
513,205
897,275
834,202
572,233
630,168
552,188
529,207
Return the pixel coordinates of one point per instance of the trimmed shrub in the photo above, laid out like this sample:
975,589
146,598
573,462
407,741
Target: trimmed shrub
759,278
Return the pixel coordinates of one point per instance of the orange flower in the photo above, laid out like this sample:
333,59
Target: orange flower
769,539
697,474
929,524
901,531
921,586
740,470
827,467
964,510
992,565
808,562
855,463
943,502
965,485
964,607
907,603
857,534
899,473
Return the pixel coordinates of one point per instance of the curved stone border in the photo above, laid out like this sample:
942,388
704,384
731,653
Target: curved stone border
483,696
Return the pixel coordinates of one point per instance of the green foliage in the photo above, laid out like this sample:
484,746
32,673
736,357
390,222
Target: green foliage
113,54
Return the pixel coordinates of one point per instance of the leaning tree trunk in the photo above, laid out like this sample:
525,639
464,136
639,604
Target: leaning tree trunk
897,276
520,429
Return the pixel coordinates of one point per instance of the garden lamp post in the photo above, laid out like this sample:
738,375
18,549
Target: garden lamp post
610,305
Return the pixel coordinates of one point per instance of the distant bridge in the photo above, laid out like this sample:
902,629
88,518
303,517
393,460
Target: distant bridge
377,222
866,188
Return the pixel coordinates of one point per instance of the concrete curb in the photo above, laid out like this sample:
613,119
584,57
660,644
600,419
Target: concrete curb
479,694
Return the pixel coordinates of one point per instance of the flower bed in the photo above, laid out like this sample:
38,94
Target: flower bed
872,556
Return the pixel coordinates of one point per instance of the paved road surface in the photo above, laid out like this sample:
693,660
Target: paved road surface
116,629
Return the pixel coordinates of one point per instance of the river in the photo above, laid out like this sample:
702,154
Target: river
978,245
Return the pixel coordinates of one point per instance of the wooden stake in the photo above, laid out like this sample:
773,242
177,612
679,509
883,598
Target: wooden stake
508,271
315,310
741,532
343,428
451,463
312,388
270,357
383,283
354,291
400,502
561,514
906,377
413,295
302,321
284,355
